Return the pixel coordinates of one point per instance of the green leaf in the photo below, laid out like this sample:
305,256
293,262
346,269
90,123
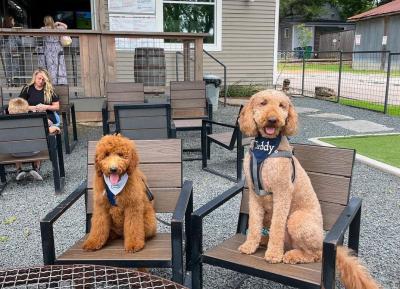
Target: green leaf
27,232
3,238
10,220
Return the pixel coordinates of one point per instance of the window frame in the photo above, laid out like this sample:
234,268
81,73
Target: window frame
217,45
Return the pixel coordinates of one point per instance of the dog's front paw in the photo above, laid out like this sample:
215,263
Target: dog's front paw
133,247
248,247
273,256
91,245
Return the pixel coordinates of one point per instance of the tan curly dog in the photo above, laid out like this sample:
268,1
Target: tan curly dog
132,216
292,212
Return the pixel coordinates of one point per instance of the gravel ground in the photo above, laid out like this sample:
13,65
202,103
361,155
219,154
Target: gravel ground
29,201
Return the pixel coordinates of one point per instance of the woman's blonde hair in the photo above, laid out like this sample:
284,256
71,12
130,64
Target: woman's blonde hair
49,21
48,87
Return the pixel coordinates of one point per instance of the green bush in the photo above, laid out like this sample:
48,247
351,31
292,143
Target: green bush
243,90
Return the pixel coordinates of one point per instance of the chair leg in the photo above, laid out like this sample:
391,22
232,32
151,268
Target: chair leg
65,132
204,139
208,148
74,130
54,161
2,178
60,155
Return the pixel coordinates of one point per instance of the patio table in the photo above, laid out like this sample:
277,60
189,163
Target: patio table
81,276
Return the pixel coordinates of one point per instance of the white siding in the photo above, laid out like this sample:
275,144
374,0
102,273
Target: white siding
247,45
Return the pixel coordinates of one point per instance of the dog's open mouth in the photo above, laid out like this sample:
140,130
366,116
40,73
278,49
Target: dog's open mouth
270,131
114,178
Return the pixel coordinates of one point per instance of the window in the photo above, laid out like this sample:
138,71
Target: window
194,16
286,32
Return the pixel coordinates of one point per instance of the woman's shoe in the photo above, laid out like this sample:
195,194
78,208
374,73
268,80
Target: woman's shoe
20,175
35,174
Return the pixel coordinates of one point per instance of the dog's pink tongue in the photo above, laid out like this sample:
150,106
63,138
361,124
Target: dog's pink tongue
114,179
270,130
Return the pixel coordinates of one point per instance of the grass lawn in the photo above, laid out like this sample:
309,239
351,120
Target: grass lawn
393,110
384,148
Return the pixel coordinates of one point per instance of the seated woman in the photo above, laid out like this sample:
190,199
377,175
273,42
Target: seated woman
39,94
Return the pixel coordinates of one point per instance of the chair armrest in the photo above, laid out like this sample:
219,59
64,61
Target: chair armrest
218,123
206,209
183,202
335,235
46,224
181,216
350,217
196,238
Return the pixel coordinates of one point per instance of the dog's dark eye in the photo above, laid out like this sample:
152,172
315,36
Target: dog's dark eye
264,102
107,154
121,155
282,105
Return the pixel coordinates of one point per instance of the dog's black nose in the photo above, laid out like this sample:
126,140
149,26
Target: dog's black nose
272,120
113,169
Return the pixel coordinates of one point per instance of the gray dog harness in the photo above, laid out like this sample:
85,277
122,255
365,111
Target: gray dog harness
257,163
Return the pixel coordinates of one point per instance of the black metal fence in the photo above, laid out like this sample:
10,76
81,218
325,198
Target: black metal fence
364,79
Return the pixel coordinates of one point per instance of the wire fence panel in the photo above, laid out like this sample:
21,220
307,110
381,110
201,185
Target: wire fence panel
393,89
21,55
363,80
321,75
290,66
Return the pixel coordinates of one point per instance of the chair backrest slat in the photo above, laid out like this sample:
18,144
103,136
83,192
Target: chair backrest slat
123,93
143,121
161,162
23,133
330,172
188,99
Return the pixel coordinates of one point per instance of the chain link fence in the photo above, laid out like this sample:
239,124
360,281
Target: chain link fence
364,79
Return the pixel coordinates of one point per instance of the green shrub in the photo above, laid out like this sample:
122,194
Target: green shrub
243,90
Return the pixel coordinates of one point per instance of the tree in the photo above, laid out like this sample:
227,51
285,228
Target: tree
308,9
350,8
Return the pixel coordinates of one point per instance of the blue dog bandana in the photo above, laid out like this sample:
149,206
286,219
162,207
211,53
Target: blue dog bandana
264,147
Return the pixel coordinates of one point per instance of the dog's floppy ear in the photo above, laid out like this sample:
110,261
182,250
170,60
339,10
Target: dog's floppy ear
291,122
246,120
134,159
97,159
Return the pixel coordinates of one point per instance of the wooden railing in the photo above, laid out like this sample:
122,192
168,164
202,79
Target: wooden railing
98,56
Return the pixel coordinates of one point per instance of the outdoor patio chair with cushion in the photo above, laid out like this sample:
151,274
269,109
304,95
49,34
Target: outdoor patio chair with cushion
119,93
144,121
67,111
22,134
330,171
227,140
161,162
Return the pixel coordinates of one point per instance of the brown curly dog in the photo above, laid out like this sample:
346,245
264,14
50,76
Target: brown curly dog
132,214
292,211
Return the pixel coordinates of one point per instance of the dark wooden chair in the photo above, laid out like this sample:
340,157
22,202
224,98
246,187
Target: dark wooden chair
330,171
228,140
119,93
144,121
161,162
189,104
29,132
67,111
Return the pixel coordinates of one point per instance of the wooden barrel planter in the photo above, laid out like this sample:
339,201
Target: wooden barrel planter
149,66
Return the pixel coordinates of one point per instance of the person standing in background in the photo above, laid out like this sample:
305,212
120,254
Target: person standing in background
53,53
10,45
